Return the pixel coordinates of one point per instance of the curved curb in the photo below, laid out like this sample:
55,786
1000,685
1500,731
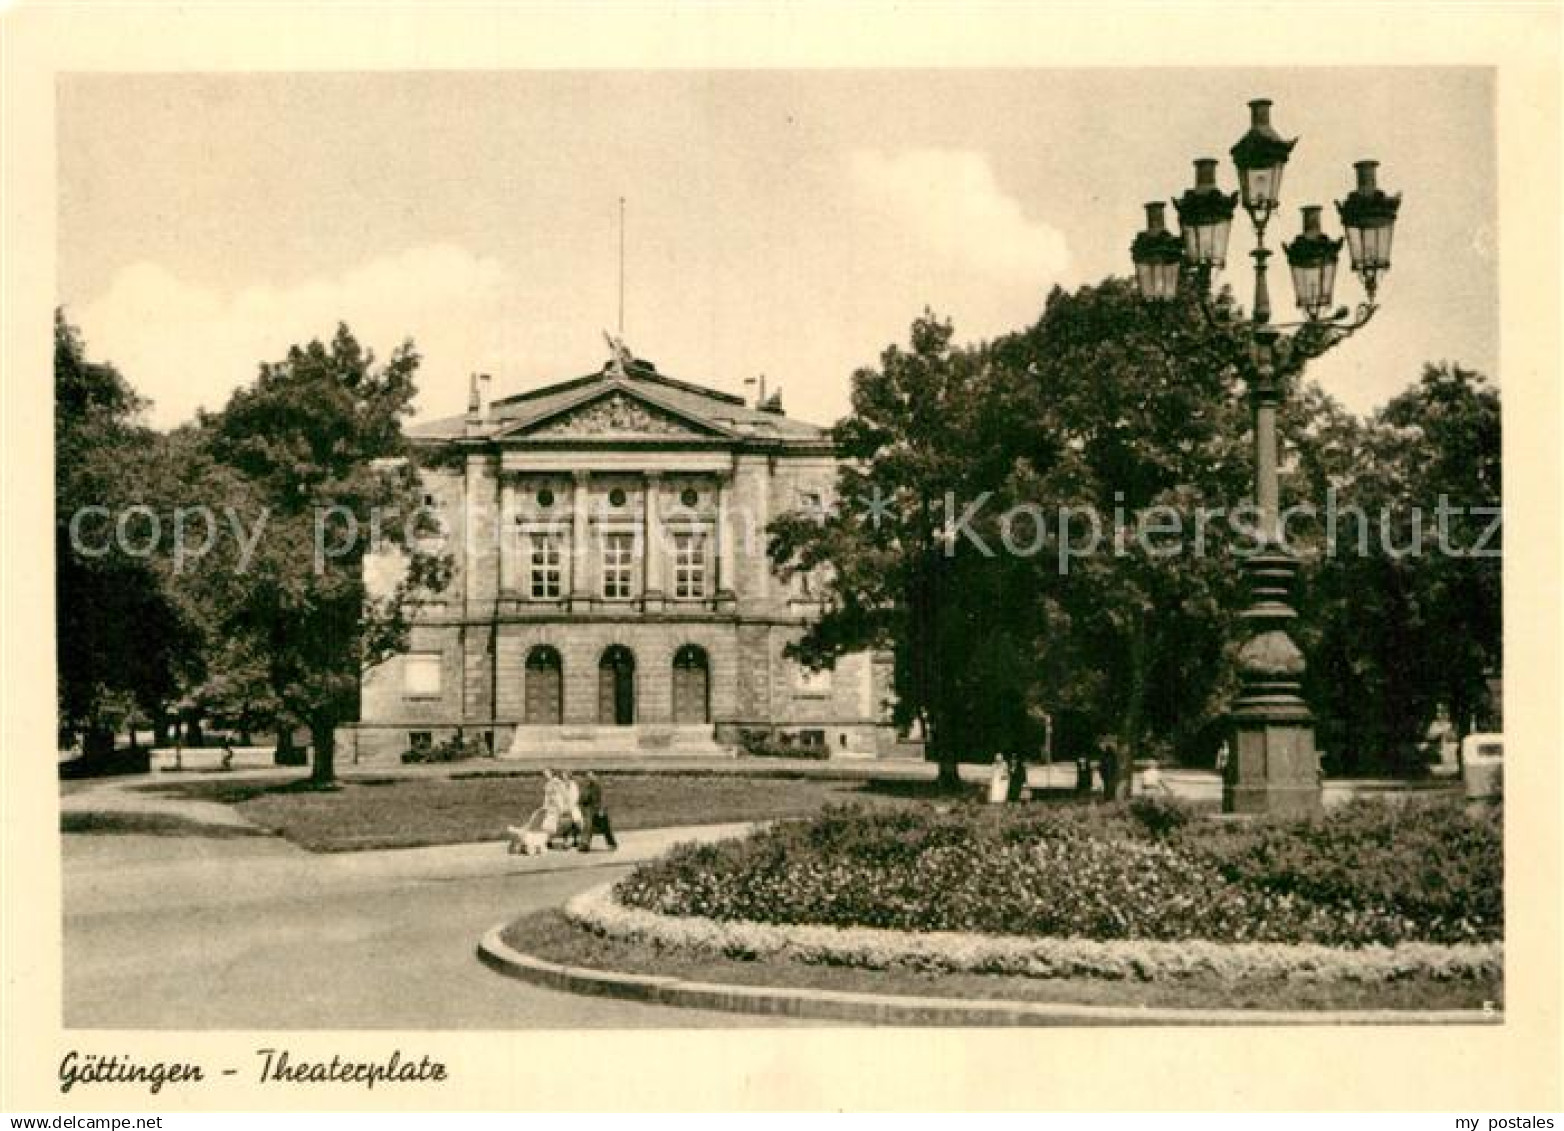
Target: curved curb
889,1009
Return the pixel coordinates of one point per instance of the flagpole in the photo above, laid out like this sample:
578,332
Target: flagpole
621,266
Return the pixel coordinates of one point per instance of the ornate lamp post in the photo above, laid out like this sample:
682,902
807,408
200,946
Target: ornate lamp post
1274,766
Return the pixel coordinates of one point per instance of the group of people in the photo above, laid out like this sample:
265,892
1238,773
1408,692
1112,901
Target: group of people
573,812
1006,778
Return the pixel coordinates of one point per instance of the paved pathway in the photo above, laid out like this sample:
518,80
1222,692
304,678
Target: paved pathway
118,796
252,933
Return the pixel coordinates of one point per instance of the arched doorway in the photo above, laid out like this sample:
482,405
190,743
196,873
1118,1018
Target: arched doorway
545,686
616,686
691,685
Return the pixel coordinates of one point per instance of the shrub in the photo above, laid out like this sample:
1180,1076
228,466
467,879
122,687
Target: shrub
1160,815
759,743
1370,874
457,748
1426,868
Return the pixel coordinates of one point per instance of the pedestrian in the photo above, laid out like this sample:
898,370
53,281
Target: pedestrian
1083,776
1151,783
998,781
571,827
1108,767
554,803
1018,779
594,815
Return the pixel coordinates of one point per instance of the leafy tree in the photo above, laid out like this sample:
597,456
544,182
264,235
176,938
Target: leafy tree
1101,407
123,643
217,510
1109,409
1102,416
1452,419
890,583
316,445
1400,618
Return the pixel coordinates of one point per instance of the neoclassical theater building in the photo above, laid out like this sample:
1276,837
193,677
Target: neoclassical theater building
611,590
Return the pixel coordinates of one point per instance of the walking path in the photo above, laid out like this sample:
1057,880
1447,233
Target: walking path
254,933
120,796
251,932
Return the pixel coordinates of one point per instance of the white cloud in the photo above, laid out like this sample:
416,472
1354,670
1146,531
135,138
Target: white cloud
927,227
186,346
951,202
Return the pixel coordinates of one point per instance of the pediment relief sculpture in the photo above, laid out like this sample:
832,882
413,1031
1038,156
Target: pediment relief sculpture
614,415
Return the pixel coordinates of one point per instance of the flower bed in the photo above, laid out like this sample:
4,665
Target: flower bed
949,952
1368,875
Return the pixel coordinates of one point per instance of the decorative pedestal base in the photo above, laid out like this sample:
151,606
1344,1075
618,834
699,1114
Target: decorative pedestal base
1275,769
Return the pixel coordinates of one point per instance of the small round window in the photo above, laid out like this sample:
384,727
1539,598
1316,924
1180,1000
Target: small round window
616,497
545,498
689,497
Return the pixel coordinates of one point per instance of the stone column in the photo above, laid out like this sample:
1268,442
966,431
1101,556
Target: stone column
724,574
762,520
651,544
579,531
481,535
751,492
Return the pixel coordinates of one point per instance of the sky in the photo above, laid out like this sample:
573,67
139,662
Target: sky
786,223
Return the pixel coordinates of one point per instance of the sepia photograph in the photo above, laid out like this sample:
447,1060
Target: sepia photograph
913,544
637,549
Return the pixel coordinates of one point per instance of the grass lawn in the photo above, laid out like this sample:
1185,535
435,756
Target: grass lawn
406,812
147,824
548,935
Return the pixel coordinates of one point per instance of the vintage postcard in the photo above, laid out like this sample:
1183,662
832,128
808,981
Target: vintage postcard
778,558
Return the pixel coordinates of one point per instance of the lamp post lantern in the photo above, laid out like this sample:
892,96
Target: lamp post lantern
1158,256
1274,767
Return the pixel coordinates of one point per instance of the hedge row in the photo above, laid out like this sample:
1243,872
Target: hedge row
1369,874
599,910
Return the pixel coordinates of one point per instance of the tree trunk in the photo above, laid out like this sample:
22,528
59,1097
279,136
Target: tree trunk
949,779
159,728
945,755
1112,774
193,735
97,742
323,737
1131,722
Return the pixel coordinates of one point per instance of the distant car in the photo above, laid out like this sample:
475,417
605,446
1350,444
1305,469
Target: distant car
1482,766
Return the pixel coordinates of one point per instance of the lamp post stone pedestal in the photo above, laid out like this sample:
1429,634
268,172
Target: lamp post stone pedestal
1274,768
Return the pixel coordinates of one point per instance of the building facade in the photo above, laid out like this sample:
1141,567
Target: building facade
611,591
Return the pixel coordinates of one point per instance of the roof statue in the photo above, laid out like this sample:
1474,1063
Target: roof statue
620,358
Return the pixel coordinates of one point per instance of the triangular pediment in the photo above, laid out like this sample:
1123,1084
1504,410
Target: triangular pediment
616,413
